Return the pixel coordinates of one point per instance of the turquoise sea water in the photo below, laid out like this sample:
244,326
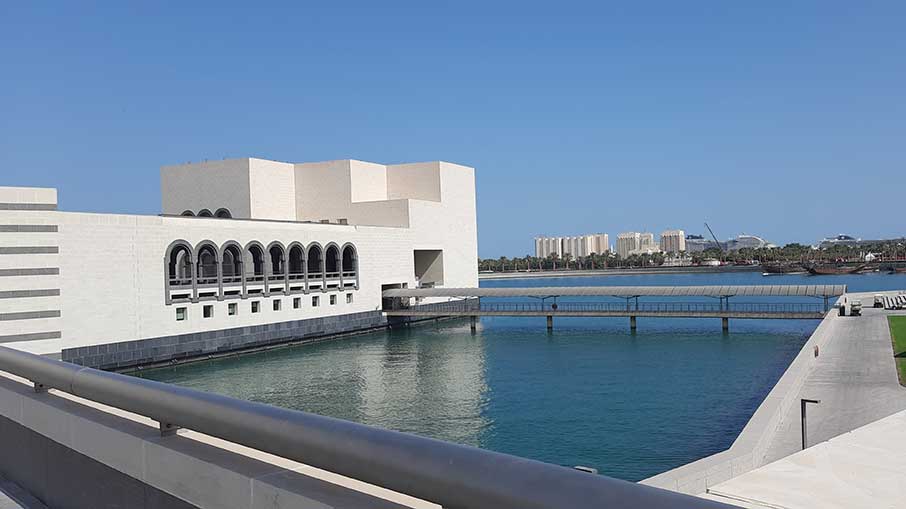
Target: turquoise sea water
591,393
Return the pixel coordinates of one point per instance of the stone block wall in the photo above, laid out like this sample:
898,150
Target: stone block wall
129,354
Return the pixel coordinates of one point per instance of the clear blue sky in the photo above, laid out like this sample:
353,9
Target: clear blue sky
784,119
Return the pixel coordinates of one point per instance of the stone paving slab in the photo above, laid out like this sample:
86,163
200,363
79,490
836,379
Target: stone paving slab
862,468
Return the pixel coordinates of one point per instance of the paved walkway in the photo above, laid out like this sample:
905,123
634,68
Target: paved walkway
863,468
855,378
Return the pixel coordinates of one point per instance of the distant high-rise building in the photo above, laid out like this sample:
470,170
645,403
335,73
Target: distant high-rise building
626,242
698,243
635,243
582,245
600,243
673,241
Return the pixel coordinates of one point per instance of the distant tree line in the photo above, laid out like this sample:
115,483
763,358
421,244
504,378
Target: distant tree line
790,253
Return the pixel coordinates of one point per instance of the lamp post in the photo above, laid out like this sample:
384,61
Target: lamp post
802,403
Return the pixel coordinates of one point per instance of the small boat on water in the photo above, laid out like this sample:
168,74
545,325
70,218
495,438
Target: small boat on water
796,273
834,269
777,268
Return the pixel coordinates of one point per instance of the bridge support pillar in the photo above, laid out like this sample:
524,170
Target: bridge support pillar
725,324
550,323
473,323
632,324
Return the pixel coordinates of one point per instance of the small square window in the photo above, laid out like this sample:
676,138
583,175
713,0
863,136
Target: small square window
208,311
333,300
297,302
314,301
348,298
180,314
256,306
233,309
277,305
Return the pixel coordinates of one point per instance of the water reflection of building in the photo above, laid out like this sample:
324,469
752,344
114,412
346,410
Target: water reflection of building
425,380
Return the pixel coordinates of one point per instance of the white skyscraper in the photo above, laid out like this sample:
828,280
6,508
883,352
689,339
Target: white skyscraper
673,241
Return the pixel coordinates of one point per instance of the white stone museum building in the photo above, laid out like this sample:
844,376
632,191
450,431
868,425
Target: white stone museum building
246,253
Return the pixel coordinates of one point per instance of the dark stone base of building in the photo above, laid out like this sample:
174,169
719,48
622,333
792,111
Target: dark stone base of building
185,347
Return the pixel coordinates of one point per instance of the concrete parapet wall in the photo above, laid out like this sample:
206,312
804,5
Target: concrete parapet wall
73,453
749,449
142,352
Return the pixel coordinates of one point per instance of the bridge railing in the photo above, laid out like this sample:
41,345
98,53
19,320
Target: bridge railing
454,476
620,307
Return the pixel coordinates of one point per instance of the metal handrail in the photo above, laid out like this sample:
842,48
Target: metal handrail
454,476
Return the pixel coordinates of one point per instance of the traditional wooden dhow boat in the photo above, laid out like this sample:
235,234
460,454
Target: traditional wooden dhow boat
782,267
834,269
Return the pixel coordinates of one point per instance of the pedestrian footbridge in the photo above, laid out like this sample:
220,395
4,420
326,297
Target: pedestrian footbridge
571,301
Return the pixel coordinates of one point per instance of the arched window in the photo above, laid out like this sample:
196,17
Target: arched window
179,265
349,261
332,261
296,262
205,213
223,214
314,265
231,264
255,266
206,266
276,257
188,213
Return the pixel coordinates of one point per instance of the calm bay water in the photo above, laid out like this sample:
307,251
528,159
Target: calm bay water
591,393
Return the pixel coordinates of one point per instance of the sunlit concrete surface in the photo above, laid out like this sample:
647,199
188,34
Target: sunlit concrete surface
855,378
853,375
863,468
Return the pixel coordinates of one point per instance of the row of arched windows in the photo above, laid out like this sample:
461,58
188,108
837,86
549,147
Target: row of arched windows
231,270
220,213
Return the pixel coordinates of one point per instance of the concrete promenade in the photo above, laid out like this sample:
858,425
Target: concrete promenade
853,375
855,378
862,468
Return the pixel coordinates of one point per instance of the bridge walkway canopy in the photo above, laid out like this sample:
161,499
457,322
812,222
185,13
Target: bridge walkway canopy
821,291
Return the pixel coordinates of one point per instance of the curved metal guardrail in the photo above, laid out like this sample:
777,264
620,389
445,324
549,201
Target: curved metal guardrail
454,476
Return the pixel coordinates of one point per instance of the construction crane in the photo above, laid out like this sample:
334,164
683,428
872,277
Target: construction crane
714,237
